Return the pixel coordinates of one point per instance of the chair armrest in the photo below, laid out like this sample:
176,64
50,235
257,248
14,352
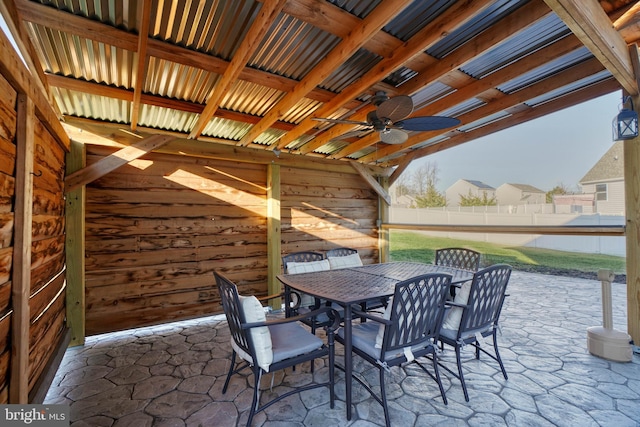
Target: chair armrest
456,304
291,319
366,315
294,294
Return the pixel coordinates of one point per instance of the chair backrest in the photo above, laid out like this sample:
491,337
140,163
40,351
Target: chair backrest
417,311
465,259
235,317
337,252
303,256
486,296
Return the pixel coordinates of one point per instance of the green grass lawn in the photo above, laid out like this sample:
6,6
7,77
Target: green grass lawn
415,246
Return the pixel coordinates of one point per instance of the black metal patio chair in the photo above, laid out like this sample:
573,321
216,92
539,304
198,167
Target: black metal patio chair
474,315
271,345
304,262
463,258
347,257
408,330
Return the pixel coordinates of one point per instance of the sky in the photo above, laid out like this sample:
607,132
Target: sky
559,148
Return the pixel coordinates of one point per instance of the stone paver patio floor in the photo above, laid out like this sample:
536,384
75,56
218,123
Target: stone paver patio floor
172,375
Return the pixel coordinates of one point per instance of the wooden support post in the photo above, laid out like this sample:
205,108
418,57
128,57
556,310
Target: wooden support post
21,277
273,233
75,212
632,206
632,213
383,218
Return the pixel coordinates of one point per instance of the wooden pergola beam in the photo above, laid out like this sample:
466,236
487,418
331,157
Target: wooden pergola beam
381,15
259,27
589,22
424,38
144,9
114,161
368,177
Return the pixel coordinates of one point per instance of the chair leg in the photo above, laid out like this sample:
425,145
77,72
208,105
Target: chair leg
383,397
257,375
332,375
233,363
460,374
438,380
498,358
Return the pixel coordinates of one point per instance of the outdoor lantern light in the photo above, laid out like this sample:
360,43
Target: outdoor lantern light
625,124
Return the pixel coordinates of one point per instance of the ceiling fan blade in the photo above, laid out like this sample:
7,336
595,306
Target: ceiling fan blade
427,123
396,108
341,121
393,136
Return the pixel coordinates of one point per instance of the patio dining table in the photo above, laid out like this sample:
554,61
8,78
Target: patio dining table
356,285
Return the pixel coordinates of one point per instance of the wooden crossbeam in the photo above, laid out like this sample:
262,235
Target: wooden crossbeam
114,161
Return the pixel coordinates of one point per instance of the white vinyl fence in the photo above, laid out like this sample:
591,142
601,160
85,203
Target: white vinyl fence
610,245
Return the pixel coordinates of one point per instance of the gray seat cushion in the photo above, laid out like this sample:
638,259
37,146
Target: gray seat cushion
364,337
291,339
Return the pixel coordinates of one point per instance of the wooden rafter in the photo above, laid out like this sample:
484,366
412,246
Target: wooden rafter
97,31
507,27
382,14
588,21
524,114
500,102
424,38
141,66
268,13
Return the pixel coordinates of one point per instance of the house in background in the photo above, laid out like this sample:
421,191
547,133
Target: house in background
519,194
573,203
466,187
605,180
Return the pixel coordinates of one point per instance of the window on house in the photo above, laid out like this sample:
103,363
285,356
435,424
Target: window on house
601,192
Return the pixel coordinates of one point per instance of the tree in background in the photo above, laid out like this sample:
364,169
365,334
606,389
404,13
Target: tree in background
558,189
472,200
421,186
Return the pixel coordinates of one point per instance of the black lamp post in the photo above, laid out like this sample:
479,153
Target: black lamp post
625,124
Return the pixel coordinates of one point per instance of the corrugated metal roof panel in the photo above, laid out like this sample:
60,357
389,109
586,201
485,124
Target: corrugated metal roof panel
546,70
250,98
359,8
430,94
292,48
463,107
166,118
83,58
178,81
119,13
302,109
226,129
484,121
546,31
222,25
475,26
82,104
415,17
564,90
351,70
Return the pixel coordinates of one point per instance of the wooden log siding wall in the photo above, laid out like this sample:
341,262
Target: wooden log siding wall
158,227
323,210
45,296
7,188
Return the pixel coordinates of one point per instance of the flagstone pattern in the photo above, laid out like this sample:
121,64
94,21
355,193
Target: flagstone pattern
172,375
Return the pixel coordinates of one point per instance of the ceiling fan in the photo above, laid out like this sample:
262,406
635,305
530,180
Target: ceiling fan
388,121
